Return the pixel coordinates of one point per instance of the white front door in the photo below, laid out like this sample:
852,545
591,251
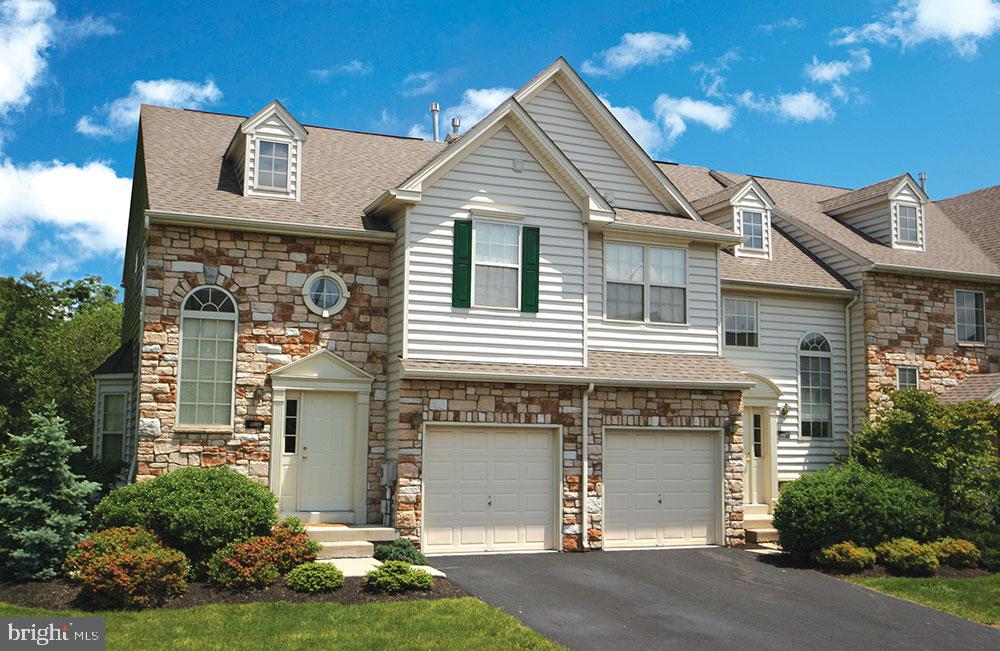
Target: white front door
755,481
326,451
661,488
489,489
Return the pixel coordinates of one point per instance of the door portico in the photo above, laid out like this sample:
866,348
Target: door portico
760,427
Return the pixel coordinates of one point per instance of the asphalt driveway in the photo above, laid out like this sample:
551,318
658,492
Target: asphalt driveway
701,599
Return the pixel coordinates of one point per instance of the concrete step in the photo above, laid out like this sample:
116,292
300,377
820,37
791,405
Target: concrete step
756,536
757,521
351,534
315,517
350,549
754,509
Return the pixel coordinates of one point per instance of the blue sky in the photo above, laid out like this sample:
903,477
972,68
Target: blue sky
840,93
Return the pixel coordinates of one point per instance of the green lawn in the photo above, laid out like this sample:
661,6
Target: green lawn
976,599
465,623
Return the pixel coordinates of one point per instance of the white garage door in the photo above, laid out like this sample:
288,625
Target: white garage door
661,488
489,489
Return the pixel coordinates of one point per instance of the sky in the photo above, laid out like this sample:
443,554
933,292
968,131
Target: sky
843,94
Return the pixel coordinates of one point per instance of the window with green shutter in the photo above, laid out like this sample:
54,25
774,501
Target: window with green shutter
529,268
495,265
461,266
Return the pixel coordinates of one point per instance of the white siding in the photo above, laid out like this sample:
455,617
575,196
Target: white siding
275,130
699,336
436,330
875,222
783,321
584,145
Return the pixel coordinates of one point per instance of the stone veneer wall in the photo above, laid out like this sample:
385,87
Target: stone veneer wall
429,401
265,274
910,321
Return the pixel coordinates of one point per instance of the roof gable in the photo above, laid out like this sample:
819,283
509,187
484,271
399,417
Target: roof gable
886,190
320,367
274,110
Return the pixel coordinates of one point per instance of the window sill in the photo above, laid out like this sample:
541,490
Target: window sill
738,348
204,429
646,323
972,344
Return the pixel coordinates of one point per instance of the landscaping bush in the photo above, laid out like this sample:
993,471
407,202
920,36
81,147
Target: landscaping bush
908,557
396,576
127,568
990,559
195,510
250,563
957,552
42,502
849,502
315,577
292,545
400,549
846,557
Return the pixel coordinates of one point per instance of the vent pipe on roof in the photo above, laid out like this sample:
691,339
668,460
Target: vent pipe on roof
456,124
923,181
435,109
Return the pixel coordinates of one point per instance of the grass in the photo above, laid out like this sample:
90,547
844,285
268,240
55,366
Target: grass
977,599
464,623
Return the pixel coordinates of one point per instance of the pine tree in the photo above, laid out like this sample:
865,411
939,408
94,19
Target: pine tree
43,504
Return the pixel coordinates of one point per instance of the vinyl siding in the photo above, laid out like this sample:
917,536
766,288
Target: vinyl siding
875,222
584,145
782,322
699,336
436,330
274,129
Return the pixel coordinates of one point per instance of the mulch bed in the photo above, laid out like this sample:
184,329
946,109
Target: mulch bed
60,594
878,572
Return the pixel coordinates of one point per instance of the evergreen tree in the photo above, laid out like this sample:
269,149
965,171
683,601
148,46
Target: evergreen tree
43,504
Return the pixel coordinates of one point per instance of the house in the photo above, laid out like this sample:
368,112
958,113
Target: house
530,337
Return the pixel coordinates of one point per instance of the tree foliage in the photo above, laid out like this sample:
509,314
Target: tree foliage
52,336
949,449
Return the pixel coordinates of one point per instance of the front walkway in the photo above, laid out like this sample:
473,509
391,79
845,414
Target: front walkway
701,598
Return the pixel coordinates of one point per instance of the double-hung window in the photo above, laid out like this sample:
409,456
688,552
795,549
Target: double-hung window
740,322
815,386
906,377
112,426
970,316
272,164
752,227
906,219
645,283
496,259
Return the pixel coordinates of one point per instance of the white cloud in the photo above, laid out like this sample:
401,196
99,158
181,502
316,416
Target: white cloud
118,117
962,23
70,32
475,105
791,23
831,72
646,132
86,206
674,113
713,79
25,35
420,83
803,106
637,49
354,68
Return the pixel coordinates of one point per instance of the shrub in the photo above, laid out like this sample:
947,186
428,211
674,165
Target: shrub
195,510
127,568
42,502
397,576
990,559
846,557
400,549
848,502
907,557
315,577
292,545
250,563
957,552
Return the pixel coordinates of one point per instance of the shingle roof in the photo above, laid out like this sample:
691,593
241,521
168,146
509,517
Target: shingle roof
119,361
725,194
663,220
978,214
342,171
973,387
790,265
861,194
605,367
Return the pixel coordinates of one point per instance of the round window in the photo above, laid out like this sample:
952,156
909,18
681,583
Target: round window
325,293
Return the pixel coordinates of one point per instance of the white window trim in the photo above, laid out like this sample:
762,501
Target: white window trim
742,250
756,308
799,353
273,192
288,165
235,318
645,283
914,245
916,371
520,243
102,396
345,293
970,342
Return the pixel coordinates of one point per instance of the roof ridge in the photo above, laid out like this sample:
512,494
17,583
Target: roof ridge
965,194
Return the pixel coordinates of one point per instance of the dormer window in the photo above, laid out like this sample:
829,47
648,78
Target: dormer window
907,216
272,165
752,225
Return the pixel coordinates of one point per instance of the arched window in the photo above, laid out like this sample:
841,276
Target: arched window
208,349
815,387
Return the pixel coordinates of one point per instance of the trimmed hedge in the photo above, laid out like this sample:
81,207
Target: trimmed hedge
400,549
195,510
957,552
849,502
908,557
396,576
292,546
244,564
315,577
846,557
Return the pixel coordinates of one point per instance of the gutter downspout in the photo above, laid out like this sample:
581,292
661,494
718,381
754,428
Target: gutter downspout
585,470
850,366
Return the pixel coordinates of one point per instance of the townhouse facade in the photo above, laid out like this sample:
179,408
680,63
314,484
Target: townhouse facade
530,337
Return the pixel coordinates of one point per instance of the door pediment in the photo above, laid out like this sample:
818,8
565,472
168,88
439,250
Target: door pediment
321,370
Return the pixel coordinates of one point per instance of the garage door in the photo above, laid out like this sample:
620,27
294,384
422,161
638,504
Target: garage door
661,488
489,489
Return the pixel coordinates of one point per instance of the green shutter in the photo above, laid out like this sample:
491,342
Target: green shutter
461,265
529,269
